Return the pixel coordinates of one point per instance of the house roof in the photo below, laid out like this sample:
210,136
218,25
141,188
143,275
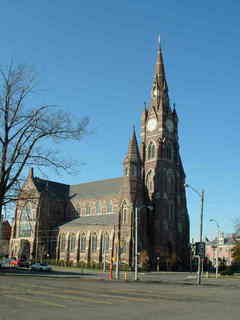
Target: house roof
107,219
96,189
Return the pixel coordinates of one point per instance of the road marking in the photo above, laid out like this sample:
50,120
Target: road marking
52,304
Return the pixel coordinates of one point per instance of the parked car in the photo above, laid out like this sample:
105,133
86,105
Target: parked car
23,264
13,262
40,267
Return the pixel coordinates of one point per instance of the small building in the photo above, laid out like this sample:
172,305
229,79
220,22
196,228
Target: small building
224,245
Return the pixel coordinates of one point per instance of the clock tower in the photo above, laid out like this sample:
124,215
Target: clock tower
163,176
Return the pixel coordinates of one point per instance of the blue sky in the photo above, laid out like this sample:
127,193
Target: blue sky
97,58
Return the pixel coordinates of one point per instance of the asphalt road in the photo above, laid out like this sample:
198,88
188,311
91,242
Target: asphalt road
24,297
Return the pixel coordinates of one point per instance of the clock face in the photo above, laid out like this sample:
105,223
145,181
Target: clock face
152,124
169,125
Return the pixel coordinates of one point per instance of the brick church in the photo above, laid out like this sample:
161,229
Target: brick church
94,223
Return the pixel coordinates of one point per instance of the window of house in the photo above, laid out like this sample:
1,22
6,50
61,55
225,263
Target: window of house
25,228
72,242
83,243
94,242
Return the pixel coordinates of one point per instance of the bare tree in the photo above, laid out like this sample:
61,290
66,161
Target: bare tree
28,132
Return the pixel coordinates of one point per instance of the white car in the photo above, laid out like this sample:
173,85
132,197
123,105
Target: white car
40,267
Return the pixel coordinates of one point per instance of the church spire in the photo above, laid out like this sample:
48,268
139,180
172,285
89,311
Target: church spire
160,87
133,152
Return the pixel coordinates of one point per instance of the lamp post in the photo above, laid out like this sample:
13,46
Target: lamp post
136,237
200,259
218,232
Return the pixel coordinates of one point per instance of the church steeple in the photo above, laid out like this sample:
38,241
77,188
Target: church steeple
132,160
160,87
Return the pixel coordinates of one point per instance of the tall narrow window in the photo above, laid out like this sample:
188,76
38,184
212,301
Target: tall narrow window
94,242
83,243
105,243
62,242
151,151
109,206
88,210
25,228
149,181
72,242
98,209
124,216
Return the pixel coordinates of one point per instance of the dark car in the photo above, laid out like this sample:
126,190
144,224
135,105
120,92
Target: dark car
23,264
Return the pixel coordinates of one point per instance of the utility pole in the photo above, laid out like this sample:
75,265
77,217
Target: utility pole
200,258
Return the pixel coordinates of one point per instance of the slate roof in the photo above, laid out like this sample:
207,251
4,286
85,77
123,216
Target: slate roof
107,219
54,189
96,189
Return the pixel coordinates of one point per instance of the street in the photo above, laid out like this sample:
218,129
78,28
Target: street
50,297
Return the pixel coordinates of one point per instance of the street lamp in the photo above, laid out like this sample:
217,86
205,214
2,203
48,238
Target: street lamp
136,237
218,232
201,195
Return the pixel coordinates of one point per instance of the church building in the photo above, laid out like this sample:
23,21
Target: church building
96,222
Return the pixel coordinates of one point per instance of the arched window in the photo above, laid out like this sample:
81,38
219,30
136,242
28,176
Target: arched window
151,151
124,216
98,209
105,243
126,171
72,242
82,243
62,242
88,210
149,181
25,228
123,246
94,242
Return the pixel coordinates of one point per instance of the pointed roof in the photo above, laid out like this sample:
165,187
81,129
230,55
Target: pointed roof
133,151
160,75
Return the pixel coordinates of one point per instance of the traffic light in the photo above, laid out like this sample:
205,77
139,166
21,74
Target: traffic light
200,249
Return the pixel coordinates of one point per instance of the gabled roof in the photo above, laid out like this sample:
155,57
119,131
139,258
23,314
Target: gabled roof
54,189
96,189
106,219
